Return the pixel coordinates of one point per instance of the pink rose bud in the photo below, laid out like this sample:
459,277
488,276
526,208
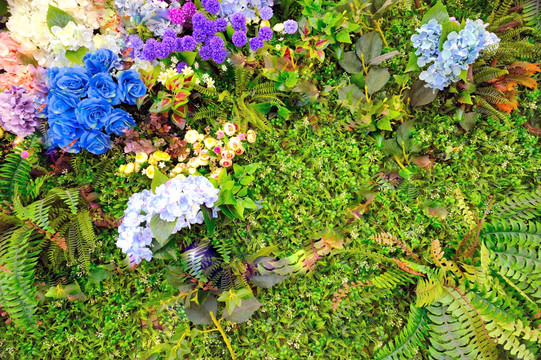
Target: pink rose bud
24,154
220,134
241,136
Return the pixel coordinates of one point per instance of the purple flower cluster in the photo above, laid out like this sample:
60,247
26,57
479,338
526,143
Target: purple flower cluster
17,111
183,16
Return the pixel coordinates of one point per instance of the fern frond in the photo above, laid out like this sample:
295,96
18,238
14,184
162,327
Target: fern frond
391,279
485,108
411,337
524,206
492,95
429,290
532,13
207,91
488,73
14,174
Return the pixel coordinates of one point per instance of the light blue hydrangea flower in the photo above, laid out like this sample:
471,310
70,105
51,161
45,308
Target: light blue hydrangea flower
426,42
249,8
178,199
458,51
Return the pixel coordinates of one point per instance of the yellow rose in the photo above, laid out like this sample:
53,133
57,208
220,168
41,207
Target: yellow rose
192,171
152,160
161,156
122,168
251,136
191,136
265,23
230,129
193,163
141,158
129,168
202,162
149,171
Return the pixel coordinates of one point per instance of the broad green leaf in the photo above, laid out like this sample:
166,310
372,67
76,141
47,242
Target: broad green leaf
3,8
369,46
267,250
266,281
158,179
247,180
161,229
376,79
464,75
243,312
438,12
421,95
76,56
200,314
384,124
412,63
351,63
188,57
343,36
58,17
447,28
210,221
358,79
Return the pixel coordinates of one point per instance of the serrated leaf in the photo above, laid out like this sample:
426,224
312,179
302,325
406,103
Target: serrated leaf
358,79
58,17
351,63
200,314
343,36
376,79
421,95
369,46
243,312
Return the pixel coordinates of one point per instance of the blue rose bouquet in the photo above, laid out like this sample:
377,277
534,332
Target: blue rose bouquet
81,100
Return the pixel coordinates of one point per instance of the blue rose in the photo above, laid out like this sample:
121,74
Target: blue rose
64,133
103,60
119,121
61,103
131,86
69,80
92,113
103,86
95,141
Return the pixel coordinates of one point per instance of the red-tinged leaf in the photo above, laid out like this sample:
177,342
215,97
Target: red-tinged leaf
179,121
508,107
182,97
523,68
305,30
404,266
321,55
300,50
140,101
321,44
162,106
181,110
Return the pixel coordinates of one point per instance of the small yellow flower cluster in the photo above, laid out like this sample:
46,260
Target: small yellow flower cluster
216,152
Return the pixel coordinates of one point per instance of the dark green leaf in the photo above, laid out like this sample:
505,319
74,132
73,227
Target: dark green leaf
266,281
243,312
351,63
376,79
200,315
209,220
421,95
412,63
438,12
369,46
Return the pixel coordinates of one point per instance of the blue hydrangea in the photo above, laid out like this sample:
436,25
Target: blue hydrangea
265,13
290,26
426,42
248,8
458,51
177,200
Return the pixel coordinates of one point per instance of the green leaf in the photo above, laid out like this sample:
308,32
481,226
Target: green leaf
369,46
438,12
200,315
97,275
247,180
266,281
210,221
231,299
158,179
248,203
3,8
243,312
188,57
351,63
384,124
401,79
284,112
76,56
412,63
464,75
266,251
161,229
358,79
421,95
376,79
465,98
447,28
57,17
343,36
